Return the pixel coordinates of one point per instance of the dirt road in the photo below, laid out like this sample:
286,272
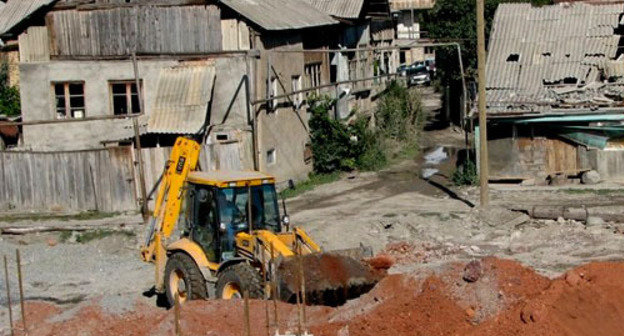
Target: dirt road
397,205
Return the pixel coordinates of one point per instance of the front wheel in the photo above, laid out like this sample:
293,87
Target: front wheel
183,277
236,279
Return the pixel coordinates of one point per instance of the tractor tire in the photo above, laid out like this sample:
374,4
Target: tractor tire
180,270
236,279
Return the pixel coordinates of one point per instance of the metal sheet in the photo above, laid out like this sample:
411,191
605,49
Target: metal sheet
280,14
346,9
182,99
16,11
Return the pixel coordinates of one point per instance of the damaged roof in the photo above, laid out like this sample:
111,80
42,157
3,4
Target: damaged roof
13,12
280,14
182,98
553,56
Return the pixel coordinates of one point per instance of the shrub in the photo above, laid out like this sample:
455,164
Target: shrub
9,95
338,146
466,174
331,141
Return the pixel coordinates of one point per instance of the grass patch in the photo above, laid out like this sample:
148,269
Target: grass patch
86,215
312,182
593,191
87,236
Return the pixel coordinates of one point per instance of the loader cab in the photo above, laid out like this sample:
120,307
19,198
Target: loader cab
218,209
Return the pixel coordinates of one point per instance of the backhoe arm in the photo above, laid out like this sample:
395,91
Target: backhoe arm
183,159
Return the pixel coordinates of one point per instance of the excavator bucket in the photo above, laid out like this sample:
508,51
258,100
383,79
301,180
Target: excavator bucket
330,278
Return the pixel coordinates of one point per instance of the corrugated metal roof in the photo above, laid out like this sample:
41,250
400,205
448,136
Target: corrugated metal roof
398,5
182,99
280,14
346,9
15,11
553,44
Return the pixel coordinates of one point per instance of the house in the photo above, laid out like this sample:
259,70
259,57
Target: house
198,64
17,16
364,24
555,86
405,14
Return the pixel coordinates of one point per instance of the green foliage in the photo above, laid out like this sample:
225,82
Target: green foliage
9,95
340,146
466,174
331,141
398,112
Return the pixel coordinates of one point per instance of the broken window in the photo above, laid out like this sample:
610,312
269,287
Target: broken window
296,86
69,100
273,93
125,98
513,58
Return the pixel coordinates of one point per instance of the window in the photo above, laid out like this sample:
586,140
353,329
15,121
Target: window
271,156
313,74
125,98
296,86
69,100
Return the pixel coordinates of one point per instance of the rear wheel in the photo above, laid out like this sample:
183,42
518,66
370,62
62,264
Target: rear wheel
182,276
238,278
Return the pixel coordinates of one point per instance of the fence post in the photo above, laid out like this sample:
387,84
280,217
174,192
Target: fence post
21,288
8,290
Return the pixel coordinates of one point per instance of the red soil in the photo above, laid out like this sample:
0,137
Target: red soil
588,300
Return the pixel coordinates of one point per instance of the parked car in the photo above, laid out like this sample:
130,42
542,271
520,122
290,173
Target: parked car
418,76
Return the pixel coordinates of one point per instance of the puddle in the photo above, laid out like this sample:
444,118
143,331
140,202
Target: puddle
432,159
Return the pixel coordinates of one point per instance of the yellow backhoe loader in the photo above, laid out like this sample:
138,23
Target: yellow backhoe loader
228,228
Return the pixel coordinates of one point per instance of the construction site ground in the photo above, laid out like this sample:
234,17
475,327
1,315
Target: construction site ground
531,277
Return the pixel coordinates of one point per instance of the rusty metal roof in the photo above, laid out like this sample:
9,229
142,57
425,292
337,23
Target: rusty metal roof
346,9
280,14
534,49
182,99
16,11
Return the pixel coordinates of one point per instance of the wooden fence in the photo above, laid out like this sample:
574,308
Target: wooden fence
100,180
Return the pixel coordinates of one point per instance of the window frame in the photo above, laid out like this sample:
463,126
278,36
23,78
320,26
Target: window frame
67,96
128,94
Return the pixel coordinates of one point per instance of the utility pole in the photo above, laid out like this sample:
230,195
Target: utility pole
412,35
483,152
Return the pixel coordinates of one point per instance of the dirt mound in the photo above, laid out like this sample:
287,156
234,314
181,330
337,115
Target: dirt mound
506,299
